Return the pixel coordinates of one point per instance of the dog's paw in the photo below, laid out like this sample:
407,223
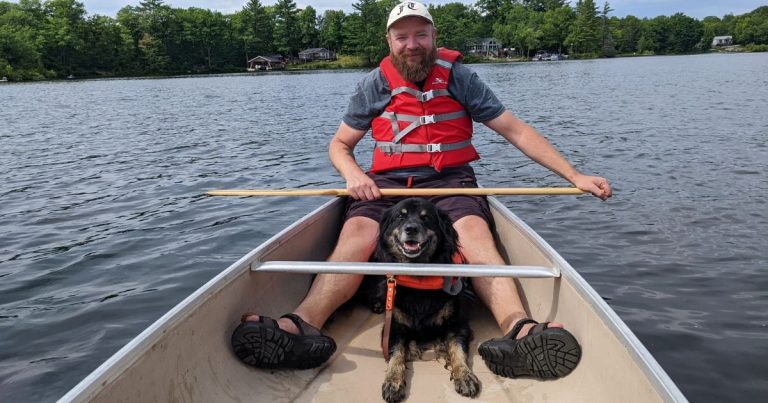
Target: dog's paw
393,392
467,385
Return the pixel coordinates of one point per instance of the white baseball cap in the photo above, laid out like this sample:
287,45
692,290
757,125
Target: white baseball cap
408,9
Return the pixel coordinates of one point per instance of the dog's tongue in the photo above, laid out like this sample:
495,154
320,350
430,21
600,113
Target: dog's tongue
411,246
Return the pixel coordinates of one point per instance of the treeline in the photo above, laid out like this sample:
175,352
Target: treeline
56,38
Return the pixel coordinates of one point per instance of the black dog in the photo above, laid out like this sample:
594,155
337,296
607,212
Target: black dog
415,231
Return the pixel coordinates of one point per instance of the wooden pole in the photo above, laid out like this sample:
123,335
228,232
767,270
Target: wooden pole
402,192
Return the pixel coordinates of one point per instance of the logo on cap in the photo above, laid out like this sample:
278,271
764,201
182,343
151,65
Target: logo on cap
410,5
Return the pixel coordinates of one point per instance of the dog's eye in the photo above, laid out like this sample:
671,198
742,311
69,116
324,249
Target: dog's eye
403,213
424,215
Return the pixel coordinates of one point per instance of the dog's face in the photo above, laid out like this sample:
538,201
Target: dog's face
415,231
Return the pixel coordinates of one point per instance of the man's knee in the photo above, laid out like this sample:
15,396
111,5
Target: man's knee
472,224
476,239
357,240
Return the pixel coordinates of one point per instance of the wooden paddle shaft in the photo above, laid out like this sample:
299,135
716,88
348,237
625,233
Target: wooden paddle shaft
401,192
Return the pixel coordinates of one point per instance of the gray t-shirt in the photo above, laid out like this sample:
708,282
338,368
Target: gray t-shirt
372,95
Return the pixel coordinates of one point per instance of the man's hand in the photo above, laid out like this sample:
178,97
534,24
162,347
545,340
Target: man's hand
359,185
596,185
362,187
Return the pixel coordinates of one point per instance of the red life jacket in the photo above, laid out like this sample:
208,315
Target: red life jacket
422,127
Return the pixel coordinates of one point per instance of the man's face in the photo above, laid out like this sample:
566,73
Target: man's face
412,47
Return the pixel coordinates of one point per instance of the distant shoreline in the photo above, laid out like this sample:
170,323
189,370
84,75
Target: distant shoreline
311,67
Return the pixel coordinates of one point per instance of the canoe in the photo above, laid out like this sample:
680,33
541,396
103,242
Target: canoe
185,355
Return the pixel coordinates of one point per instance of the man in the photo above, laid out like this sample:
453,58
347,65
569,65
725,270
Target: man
419,104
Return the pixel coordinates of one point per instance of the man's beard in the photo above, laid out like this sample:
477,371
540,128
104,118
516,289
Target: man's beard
415,71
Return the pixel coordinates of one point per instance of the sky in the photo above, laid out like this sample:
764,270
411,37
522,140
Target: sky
639,8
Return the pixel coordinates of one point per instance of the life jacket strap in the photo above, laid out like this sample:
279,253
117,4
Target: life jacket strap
421,96
444,63
397,148
417,121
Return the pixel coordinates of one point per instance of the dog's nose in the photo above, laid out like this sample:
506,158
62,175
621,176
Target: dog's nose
410,229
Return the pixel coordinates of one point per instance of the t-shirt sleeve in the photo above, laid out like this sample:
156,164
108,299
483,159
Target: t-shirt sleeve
467,88
371,96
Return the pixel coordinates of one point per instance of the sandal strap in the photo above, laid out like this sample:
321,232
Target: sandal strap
262,319
304,327
539,328
518,327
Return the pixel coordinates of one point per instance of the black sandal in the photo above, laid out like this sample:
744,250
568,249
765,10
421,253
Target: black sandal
543,353
263,344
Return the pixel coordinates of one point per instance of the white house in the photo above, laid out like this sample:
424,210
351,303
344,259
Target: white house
485,46
722,41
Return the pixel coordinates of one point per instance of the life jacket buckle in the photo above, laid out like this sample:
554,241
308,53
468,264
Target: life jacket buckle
426,96
434,148
426,120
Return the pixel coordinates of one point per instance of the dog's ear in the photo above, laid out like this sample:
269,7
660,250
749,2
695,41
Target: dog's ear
450,239
385,226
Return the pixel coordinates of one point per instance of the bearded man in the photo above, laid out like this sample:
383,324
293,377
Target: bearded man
420,104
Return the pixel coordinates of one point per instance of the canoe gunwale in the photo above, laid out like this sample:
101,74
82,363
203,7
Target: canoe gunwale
661,381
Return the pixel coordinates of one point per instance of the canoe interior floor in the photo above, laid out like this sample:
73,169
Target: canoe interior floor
355,373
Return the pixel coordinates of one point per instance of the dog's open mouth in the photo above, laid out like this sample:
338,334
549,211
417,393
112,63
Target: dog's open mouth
410,248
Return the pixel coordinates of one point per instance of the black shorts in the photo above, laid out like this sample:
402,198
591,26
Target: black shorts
456,206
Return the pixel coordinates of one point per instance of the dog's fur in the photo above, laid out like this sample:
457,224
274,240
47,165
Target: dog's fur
415,231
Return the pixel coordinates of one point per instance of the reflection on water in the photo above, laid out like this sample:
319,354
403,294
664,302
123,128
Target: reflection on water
105,228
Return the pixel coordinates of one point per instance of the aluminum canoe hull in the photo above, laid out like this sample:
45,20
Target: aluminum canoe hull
185,355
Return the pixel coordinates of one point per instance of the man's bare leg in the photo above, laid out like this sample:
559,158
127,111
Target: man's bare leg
329,291
499,294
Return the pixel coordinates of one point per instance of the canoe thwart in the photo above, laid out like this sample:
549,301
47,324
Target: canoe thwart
463,270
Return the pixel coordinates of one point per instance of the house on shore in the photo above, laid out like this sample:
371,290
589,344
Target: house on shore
314,54
485,47
722,41
271,62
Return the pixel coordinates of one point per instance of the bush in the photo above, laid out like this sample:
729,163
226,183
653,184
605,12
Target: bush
755,48
341,62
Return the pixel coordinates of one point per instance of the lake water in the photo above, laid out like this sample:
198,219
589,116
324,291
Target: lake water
104,227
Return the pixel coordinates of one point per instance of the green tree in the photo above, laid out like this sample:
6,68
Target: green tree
254,26
584,37
629,29
752,28
308,27
109,47
493,11
287,34
153,54
332,30
557,24
656,34
523,29
607,47
365,29
544,5
684,33
63,33
19,58
456,24
203,34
